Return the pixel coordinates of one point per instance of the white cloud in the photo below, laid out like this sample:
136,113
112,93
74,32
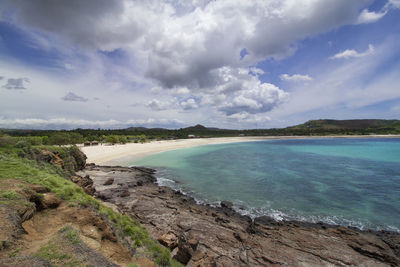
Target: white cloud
244,117
70,96
392,4
256,71
342,88
350,53
158,105
367,16
67,123
181,44
189,104
184,49
245,93
295,77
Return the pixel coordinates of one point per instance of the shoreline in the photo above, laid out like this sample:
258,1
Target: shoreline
201,234
121,154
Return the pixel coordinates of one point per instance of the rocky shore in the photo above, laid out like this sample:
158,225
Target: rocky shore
200,235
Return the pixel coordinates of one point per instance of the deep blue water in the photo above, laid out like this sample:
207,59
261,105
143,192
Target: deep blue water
341,181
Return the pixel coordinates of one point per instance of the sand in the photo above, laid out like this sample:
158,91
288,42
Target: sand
123,154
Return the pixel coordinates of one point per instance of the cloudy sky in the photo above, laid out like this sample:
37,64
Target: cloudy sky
175,63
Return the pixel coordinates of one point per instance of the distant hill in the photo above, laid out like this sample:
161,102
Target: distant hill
201,128
348,124
312,127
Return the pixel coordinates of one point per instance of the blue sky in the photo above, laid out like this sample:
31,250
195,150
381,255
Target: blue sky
228,64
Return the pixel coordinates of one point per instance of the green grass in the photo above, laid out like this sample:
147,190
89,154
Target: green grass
70,234
14,167
10,194
53,253
14,252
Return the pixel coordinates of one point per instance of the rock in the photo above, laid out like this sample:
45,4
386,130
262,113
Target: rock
207,239
50,157
185,250
265,220
104,195
139,182
85,182
238,237
110,181
28,212
39,189
226,204
169,240
24,261
50,201
124,193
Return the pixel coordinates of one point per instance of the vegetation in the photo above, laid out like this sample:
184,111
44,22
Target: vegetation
70,234
56,255
26,164
140,134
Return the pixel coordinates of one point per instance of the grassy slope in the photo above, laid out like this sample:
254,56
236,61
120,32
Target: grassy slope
13,166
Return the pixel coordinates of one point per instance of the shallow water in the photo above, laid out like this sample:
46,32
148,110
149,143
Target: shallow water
341,181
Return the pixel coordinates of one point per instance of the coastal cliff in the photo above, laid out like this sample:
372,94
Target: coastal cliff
49,218
57,211
201,235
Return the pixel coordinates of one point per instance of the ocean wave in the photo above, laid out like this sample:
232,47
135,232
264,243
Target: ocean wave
254,212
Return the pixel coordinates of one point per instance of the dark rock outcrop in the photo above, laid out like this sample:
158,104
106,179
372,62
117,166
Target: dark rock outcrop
200,235
109,181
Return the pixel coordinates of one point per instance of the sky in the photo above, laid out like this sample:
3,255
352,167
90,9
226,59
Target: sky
235,64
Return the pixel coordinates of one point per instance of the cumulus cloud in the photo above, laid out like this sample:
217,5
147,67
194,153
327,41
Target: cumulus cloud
70,96
184,43
295,78
158,105
237,90
244,117
367,16
350,53
189,104
243,92
192,50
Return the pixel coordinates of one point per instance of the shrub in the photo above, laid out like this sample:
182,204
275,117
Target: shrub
6,140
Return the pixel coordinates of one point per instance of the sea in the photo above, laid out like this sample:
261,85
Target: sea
341,181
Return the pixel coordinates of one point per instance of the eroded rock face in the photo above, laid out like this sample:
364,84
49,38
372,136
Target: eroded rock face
50,201
204,236
85,182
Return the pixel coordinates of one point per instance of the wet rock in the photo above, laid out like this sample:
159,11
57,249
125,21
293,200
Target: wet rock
209,236
226,204
265,220
109,181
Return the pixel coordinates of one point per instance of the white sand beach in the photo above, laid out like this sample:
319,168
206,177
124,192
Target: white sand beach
122,154
119,154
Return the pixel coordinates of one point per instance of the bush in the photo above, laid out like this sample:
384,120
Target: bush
6,140
23,144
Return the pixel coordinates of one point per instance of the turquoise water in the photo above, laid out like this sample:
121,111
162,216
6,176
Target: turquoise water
352,182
